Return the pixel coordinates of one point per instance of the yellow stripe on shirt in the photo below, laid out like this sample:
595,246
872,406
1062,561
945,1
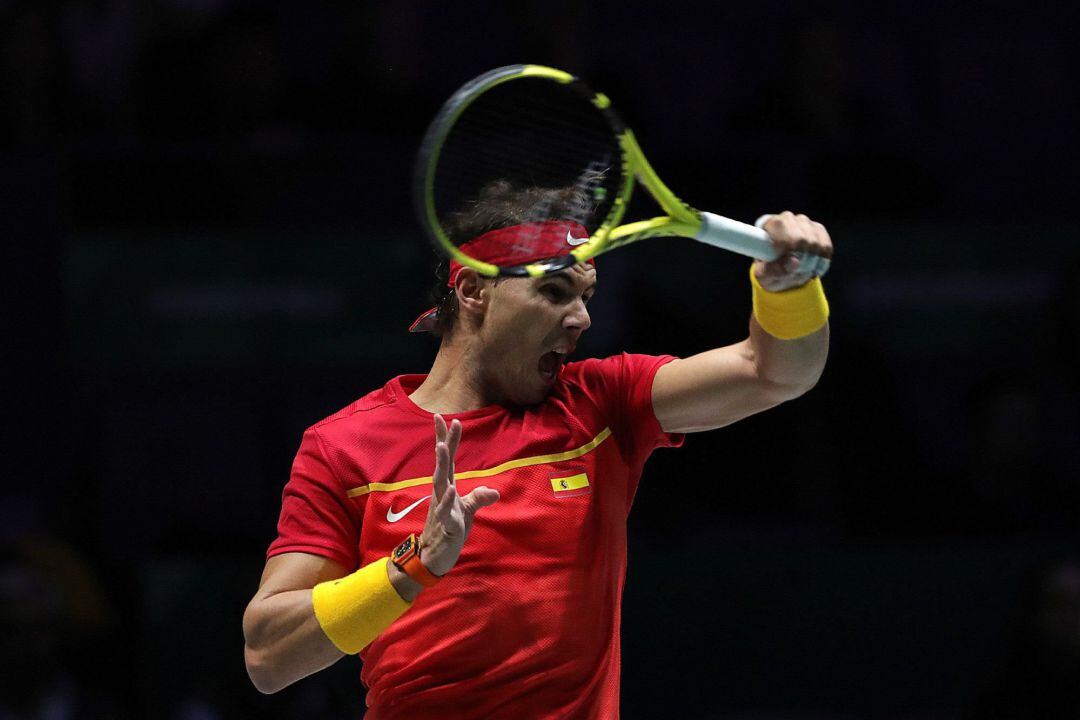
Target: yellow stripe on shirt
508,465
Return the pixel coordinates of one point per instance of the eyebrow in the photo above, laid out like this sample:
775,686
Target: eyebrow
561,275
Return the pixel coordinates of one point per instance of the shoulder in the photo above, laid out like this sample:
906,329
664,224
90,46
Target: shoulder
364,411
609,382
623,367
360,432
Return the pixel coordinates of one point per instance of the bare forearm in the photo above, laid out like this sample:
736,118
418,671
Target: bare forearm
794,365
790,301
283,641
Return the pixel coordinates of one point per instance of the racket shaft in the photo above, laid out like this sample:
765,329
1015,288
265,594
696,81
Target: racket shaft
736,237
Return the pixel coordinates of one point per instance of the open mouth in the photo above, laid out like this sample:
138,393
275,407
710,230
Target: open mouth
550,363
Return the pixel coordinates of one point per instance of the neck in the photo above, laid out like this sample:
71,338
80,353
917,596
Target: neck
454,384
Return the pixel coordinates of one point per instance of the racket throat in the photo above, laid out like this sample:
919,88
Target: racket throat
636,162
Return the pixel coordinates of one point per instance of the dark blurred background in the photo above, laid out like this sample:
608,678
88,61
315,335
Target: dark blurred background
209,246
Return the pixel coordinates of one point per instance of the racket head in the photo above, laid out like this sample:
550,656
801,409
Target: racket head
538,136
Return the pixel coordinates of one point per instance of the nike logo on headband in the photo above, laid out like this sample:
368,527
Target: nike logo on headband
395,516
575,241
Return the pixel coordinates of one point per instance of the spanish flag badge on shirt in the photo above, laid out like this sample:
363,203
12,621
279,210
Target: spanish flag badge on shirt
570,485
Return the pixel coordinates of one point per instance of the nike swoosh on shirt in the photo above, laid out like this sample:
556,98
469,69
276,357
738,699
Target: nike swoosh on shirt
395,516
575,241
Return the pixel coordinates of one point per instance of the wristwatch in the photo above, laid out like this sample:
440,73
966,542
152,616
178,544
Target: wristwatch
407,558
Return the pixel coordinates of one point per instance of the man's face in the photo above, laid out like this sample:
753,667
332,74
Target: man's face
530,326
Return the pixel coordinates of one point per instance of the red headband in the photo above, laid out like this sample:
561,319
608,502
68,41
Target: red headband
514,245
522,244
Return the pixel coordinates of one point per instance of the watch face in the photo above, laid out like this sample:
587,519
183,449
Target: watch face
403,549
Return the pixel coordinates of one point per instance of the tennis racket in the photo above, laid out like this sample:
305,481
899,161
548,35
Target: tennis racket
534,128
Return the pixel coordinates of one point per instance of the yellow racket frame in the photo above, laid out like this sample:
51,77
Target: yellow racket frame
681,219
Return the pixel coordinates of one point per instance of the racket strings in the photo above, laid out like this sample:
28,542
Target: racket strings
561,136
518,160
545,141
499,161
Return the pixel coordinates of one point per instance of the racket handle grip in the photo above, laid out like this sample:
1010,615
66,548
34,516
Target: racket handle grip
735,236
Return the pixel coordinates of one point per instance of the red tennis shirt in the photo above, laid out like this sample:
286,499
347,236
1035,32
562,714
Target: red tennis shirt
527,623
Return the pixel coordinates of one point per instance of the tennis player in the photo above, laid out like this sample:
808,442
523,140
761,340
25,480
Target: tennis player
464,531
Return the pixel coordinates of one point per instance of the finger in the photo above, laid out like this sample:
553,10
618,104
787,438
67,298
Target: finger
800,234
790,231
479,498
787,262
445,512
822,241
797,266
805,226
443,467
776,226
446,503
440,478
455,438
815,242
793,263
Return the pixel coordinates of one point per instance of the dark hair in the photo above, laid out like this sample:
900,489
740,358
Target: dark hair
500,205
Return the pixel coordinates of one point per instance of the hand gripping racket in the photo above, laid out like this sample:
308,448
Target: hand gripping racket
535,128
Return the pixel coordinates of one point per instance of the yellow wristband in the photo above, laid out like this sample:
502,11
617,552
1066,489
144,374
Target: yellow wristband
353,610
790,314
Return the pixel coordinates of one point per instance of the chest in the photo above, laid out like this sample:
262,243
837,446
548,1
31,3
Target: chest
562,486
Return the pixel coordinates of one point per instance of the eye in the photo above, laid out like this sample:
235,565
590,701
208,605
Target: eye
553,293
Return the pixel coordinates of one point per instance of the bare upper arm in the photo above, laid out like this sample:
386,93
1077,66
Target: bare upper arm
296,571
712,389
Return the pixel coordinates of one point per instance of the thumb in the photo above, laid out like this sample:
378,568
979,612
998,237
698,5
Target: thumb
480,497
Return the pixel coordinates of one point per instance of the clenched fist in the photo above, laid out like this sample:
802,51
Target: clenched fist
805,252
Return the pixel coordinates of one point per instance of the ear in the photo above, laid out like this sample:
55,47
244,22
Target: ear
472,292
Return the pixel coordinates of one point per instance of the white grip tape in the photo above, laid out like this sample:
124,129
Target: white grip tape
735,236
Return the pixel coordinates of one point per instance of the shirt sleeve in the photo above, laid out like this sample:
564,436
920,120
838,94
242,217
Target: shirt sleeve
315,514
623,386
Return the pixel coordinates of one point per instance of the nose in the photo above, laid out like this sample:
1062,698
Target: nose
578,317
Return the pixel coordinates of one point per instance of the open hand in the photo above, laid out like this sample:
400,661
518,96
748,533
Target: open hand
450,516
